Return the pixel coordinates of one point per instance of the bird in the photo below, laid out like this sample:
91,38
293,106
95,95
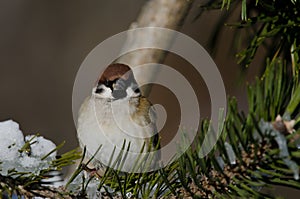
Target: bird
119,121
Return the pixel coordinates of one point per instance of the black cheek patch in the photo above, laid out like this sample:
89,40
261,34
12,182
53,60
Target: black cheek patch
137,90
99,90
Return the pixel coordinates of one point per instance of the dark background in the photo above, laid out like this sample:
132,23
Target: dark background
43,43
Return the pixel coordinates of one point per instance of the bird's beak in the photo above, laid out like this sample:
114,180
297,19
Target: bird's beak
118,91
119,94
114,86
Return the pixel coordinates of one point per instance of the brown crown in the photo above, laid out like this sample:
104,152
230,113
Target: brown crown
115,71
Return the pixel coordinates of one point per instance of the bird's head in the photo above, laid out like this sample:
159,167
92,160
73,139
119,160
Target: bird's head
117,82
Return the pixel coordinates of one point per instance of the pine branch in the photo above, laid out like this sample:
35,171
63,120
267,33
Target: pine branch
270,24
33,180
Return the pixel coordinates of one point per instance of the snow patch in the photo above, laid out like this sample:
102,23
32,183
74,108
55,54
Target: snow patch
13,156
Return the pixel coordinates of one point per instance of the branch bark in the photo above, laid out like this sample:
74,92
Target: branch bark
155,13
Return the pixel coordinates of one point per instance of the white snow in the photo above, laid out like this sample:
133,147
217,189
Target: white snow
12,157
28,162
41,146
92,187
11,140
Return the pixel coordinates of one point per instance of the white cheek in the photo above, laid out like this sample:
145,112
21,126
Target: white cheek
130,92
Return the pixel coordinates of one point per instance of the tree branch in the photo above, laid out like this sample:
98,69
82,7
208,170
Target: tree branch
155,13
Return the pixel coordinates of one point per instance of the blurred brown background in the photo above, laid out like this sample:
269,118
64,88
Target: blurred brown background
43,43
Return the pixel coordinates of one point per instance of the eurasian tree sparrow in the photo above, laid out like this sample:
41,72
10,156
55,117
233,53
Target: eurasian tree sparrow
117,112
